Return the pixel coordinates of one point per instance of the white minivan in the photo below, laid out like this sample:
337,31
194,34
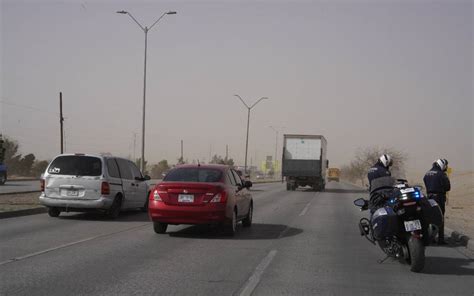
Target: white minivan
84,182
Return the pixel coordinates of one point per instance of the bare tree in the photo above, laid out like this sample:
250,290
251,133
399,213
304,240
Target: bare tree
366,157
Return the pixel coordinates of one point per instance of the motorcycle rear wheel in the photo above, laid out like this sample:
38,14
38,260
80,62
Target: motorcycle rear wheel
417,254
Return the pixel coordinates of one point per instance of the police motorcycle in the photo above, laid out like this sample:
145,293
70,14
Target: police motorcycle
403,223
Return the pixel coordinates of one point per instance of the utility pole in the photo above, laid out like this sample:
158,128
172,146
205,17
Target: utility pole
182,156
226,152
61,121
134,146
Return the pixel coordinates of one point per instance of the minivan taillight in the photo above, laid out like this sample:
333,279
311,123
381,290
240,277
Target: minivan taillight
105,188
42,185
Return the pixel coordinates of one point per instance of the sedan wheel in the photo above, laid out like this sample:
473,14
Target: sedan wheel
247,222
159,227
231,226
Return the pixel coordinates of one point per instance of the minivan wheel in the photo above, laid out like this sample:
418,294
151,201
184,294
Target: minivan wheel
114,210
247,222
145,206
159,227
54,212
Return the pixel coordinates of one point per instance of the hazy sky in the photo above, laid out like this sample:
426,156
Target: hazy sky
362,73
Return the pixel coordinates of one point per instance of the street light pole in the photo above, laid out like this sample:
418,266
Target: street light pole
248,125
145,30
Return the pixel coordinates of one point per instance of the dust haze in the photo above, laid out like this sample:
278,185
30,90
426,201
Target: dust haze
363,74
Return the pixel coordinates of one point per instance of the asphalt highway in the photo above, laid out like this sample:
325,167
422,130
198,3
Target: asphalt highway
301,243
20,186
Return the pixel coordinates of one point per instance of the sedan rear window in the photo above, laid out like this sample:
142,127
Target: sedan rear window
194,175
76,166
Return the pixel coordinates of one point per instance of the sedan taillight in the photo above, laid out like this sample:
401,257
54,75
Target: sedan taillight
42,185
219,197
156,195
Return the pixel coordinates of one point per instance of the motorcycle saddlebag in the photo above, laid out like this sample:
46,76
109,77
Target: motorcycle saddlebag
384,223
432,213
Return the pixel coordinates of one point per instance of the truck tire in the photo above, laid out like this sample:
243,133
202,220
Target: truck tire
288,187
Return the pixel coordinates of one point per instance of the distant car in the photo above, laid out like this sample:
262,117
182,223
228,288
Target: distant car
3,174
201,194
84,182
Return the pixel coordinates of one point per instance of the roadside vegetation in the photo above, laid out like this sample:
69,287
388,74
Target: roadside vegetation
356,171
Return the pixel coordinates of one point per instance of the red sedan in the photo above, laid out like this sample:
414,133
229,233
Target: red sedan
201,194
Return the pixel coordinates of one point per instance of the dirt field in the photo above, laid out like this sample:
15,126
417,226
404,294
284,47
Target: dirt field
13,202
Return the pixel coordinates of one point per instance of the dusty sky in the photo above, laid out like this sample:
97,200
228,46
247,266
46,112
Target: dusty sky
363,73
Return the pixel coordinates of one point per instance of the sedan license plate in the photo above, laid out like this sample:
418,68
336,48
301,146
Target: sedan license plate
412,225
72,193
185,198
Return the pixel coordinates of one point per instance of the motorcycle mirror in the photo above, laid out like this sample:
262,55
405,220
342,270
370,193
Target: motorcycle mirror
360,202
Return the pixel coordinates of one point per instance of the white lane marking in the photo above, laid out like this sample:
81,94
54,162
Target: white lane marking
254,279
66,245
303,212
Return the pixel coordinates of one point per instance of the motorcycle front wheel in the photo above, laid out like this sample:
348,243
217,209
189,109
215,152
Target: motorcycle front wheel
417,254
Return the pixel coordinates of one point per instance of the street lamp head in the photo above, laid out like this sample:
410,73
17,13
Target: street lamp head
122,12
264,98
171,12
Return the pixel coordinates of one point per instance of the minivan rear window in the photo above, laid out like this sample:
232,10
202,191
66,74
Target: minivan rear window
194,175
76,166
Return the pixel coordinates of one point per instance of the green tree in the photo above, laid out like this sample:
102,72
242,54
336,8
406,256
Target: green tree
11,150
39,167
2,149
26,165
158,169
217,159
138,162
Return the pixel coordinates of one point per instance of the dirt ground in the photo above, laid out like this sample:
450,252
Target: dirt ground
13,202
460,207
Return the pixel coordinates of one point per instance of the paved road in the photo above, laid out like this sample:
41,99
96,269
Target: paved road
20,186
25,186
301,243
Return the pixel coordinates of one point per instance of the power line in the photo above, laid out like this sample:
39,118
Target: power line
27,107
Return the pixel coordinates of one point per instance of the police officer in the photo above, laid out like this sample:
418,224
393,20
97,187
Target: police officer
437,184
380,180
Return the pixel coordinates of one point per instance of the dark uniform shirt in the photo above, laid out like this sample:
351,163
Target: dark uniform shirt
378,171
436,181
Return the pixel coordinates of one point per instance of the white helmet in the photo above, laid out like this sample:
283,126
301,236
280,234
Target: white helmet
442,164
386,160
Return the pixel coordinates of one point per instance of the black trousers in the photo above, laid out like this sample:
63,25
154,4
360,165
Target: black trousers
441,200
